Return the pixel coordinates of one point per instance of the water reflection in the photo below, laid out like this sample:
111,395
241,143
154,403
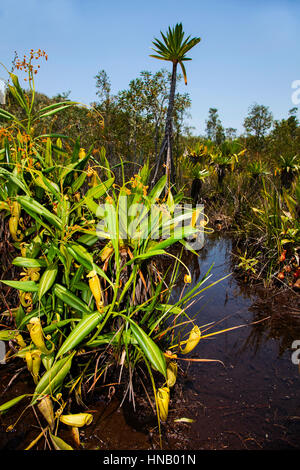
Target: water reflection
232,303
256,396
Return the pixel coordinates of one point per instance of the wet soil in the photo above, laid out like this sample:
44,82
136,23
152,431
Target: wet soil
247,400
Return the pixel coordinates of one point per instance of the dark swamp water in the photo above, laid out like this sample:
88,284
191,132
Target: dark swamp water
251,402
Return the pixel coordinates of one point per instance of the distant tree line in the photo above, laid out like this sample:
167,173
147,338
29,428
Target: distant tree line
263,137
131,123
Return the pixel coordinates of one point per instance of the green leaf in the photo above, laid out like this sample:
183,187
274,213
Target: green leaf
20,314
47,280
121,337
36,312
58,324
6,406
94,193
11,177
7,335
88,239
39,221
147,255
53,106
47,185
149,348
43,113
31,205
98,191
17,92
6,115
157,190
81,331
91,205
170,308
82,256
59,444
178,234
53,378
78,182
70,299
66,173
29,262
26,286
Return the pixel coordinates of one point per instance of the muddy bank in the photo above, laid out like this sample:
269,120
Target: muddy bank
249,401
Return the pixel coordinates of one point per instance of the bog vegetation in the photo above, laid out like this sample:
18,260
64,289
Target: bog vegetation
94,301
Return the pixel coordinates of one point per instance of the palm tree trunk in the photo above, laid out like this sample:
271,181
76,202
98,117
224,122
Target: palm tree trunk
156,136
166,146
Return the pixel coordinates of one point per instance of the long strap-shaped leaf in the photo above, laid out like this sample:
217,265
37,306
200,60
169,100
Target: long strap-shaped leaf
177,235
53,378
33,206
29,262
81,331
82,256
70,299
7,405
149,348
47,280
11,177
54,108
95,192
25,286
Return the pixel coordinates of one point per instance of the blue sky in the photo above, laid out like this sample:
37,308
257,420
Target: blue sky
249,50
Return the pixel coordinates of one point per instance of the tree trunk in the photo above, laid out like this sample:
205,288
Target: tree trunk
156,136
166,146
195,191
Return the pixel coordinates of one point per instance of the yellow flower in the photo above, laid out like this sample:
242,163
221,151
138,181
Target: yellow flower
109,200
94,180
187,279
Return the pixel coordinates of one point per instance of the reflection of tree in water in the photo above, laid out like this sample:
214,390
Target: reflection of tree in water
278,314
282,324
280,309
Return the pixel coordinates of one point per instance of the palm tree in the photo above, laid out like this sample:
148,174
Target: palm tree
172,48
